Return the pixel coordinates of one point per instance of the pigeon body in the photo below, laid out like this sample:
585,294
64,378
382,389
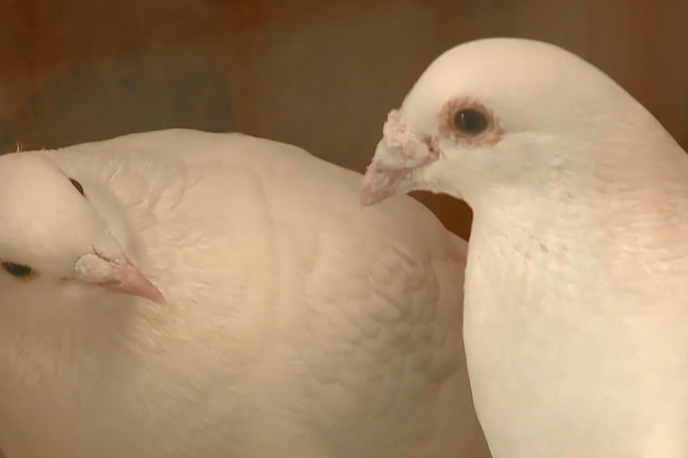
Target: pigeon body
185,294
576,293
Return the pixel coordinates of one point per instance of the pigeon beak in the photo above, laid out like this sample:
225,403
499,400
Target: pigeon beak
117,275
382,181
397,157
383,178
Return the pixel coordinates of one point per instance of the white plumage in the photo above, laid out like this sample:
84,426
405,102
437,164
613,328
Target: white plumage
576,322
284,320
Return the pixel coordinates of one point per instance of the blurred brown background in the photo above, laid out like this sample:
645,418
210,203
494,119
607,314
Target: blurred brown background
319,74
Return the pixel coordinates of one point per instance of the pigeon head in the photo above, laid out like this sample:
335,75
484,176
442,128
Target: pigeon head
54,237
506,117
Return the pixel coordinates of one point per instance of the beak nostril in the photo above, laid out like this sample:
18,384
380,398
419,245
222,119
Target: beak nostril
405,149
433,147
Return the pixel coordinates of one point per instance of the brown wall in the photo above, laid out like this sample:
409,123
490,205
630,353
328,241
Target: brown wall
318,74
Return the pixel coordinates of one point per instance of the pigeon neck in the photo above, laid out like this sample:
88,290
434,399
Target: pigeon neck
646,223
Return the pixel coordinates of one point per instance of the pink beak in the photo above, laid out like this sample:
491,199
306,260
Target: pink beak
397,156
118,275
380,183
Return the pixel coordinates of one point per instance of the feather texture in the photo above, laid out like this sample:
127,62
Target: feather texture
297,323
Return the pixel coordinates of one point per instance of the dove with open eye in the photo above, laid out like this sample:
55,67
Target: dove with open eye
577,274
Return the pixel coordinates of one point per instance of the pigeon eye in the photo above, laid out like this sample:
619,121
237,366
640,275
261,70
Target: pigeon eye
470,121
78,186
17,270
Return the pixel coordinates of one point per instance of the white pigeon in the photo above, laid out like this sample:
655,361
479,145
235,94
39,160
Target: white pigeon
576,293
185,294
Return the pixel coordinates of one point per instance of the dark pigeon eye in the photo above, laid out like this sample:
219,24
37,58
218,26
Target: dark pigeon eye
78,186
470,122
17,270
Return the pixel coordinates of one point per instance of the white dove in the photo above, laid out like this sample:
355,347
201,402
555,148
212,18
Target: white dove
185,294
576,292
